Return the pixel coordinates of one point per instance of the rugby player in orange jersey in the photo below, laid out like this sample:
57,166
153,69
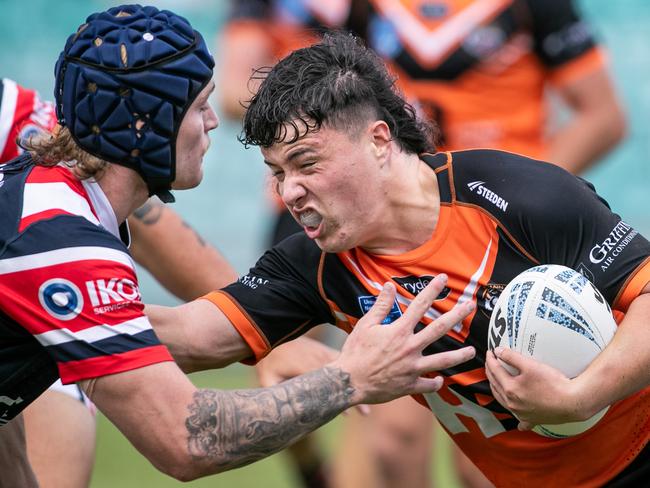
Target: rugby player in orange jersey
350,160
482,70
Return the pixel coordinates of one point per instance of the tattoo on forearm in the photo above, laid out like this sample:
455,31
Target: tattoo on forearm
149,213
229,429
196,234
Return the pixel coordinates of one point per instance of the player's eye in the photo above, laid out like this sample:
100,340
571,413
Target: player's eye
307,165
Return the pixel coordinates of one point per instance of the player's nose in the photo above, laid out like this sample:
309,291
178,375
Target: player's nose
292,191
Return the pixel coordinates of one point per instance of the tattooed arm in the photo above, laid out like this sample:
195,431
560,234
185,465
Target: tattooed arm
174,253
240,427
188,433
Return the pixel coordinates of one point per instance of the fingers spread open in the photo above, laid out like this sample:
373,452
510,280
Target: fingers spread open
444,360
439,327
422,302
428,385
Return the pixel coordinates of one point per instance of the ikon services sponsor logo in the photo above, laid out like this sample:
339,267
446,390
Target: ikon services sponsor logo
112,294
61,298
479,188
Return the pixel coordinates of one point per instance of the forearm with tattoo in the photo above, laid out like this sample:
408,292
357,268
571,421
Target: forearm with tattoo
229,429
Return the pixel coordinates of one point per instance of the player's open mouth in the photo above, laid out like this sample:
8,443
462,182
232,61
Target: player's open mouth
311,221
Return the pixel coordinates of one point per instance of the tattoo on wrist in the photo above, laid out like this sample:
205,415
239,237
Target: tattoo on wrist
234,428
149,213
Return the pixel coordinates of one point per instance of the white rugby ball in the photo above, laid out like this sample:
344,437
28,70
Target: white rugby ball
556,316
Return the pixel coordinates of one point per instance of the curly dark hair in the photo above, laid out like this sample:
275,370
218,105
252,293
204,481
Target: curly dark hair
337,82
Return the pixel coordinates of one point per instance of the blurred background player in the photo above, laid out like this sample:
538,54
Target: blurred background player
62,453
483,70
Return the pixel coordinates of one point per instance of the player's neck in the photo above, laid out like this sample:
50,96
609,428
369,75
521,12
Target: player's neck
412,207
125,189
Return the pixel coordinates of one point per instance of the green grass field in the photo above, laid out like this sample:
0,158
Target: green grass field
119,465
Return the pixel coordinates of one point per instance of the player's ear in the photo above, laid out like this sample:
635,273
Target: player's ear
381,138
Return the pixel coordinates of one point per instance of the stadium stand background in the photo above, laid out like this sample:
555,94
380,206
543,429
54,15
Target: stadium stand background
228,209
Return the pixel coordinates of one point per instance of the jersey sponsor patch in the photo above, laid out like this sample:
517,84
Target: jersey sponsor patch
61,298
367,301
605,252
487,297
415,284
107,295
481,190
252,281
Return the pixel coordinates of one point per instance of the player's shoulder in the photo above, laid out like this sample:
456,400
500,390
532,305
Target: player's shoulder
54,191
505,163
506,168
509,184
44,208
502,168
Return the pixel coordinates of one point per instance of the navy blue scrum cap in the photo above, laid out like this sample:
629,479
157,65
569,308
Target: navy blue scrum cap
123,84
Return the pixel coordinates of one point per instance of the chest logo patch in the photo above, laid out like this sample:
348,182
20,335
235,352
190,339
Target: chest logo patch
487,297
367,301
415,284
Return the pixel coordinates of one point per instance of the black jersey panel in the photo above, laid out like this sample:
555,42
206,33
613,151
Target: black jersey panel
551,215
26,369
280,293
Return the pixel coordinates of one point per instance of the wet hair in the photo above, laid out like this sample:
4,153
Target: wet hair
338,83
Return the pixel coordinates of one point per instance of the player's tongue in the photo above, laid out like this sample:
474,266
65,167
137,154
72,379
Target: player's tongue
310,219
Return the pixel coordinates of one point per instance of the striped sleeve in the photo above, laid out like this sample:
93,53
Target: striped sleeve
80,302
22,113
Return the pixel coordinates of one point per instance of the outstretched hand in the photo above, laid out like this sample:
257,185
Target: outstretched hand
386,361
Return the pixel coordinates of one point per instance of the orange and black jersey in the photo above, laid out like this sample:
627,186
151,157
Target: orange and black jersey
479,68
293,25
500,214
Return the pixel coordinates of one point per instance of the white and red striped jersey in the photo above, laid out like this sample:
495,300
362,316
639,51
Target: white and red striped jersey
69,300
22,113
